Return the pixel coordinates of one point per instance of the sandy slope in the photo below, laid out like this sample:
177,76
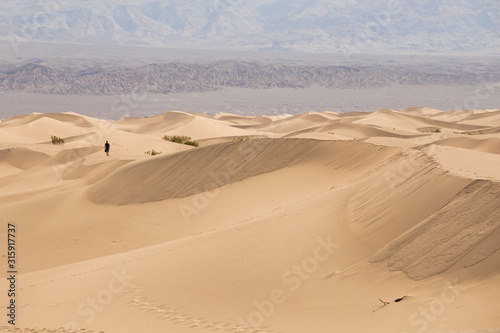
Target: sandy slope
295,224
491,145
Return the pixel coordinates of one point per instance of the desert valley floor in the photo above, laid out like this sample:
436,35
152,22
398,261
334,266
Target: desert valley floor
321,222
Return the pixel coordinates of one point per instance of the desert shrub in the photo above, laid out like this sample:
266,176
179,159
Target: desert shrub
239,139
192,143
437,130
152,152
56,140
181,139
176,138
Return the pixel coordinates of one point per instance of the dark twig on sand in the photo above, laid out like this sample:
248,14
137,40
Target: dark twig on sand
384,303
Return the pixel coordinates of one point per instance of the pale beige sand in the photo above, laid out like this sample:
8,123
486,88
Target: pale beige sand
274,224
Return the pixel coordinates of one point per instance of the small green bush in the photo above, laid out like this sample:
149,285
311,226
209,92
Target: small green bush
56,140
192,143
152,152
181,139
437,130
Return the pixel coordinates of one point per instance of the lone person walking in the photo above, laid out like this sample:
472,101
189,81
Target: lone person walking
106,148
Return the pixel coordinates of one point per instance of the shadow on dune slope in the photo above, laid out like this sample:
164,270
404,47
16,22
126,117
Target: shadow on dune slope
204,169
467,229
22,158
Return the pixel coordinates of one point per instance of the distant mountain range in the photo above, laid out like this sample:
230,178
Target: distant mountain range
348,26
188,77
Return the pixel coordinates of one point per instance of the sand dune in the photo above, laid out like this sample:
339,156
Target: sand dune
471,221
165,179
385,118
343,131
69,117
203,128
421,111
491,145
378,203
22,158
180,123
296,123
243,121
483,118
32,131
170,120
477,165
274,224
389,119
